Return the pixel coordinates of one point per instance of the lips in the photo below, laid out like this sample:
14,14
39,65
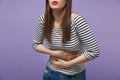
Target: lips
54,2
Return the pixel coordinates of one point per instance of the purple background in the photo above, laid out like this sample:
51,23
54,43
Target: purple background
18,61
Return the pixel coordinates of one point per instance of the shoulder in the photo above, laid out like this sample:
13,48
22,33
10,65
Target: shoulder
79,21
75,17
39,21
40,18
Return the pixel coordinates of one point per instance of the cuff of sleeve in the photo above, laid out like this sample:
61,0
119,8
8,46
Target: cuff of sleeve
90,55
35,44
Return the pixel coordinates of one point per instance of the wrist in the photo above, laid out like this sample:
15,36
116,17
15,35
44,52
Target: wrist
51,52
70,63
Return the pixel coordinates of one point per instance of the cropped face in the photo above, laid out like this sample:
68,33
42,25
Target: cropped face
57,4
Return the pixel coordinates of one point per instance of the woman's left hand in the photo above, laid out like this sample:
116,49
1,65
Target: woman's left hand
59,63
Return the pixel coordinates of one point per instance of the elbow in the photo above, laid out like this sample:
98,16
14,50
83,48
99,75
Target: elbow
34,46
92,55
96,55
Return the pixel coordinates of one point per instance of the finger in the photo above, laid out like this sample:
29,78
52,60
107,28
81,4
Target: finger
54,66
54,61
54,58
57,60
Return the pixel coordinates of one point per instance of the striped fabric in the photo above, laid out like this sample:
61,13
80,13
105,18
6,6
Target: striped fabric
82,40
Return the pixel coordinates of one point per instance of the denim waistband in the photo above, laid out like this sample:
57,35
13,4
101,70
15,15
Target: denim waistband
51,71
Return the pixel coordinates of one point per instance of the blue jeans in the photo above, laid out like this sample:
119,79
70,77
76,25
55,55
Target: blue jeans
53,75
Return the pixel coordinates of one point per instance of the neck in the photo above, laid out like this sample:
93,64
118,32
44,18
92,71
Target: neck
58,15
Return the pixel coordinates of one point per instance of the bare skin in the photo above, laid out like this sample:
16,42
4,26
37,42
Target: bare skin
57,54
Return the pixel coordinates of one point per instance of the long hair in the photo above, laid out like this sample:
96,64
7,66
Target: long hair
66,22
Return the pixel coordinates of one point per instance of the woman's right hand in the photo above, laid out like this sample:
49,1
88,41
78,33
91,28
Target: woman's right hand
63,54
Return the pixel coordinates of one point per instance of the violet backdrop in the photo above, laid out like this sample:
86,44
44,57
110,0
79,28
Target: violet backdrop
18,61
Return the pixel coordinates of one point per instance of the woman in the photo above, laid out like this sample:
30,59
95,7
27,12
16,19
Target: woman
67,34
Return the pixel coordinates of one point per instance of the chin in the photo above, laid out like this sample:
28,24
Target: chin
56,8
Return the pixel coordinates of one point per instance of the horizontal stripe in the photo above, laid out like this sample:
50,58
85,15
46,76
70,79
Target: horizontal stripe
81,37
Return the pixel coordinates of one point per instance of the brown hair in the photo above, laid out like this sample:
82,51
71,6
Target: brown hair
66,22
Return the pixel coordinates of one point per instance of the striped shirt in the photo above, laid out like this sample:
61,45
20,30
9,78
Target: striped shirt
82,40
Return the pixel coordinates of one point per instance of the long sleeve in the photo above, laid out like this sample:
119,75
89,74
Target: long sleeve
38,34
87,38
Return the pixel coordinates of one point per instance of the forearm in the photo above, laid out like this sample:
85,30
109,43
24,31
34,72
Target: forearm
78,60
43,49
